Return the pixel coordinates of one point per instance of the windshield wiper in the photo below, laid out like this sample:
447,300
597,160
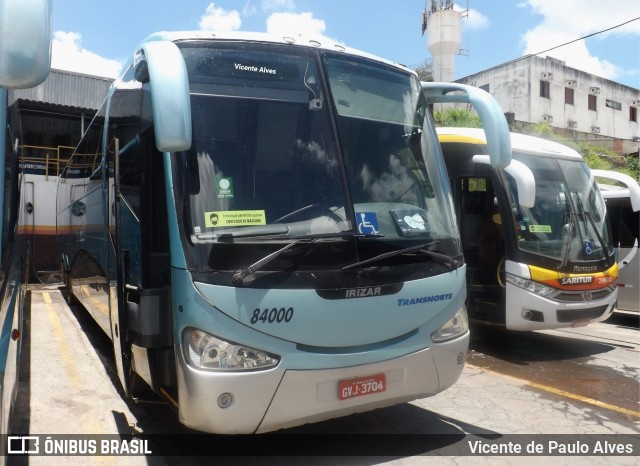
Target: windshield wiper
254,232
449,261
584,216
587,215
247,275
567,245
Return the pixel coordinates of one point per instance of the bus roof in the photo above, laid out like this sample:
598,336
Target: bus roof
519,142
301,40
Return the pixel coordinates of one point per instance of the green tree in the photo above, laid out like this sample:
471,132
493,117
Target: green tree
457,117
605,159
540,130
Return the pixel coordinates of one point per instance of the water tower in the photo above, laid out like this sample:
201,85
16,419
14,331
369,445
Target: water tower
444,36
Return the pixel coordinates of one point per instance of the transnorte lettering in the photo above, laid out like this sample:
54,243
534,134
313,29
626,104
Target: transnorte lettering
425,299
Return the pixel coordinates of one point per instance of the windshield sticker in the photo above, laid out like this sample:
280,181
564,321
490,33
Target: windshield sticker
234,218
225,188
411,221
367,223
588,247
540,228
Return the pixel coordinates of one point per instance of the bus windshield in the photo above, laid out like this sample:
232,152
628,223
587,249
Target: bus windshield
292,143
567,222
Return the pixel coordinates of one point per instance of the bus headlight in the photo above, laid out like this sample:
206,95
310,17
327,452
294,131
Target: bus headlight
456,326
204,351
530,285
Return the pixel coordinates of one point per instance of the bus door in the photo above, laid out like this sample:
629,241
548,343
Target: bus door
117,279
483,245
625,225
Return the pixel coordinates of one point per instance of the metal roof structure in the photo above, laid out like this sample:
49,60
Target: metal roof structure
68,89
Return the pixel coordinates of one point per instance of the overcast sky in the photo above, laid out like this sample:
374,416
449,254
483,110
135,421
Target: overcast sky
98,37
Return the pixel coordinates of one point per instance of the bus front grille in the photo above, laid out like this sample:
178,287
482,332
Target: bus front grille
569,315
578,296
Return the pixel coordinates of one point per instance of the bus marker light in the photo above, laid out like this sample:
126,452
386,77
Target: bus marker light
225,400
15,334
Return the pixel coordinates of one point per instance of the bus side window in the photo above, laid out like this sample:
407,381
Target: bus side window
628,226
10,199
155,225
475,199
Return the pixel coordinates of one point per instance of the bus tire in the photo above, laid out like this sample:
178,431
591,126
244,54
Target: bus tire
69,297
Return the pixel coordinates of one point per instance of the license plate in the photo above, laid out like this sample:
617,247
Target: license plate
580,322
360,386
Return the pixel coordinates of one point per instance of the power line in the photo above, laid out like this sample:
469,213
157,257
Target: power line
515,60
585,37
524,57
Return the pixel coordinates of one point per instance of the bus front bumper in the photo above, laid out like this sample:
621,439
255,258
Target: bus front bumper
527,311
264,401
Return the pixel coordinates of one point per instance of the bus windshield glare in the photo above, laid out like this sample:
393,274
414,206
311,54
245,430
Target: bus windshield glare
294,143
567,222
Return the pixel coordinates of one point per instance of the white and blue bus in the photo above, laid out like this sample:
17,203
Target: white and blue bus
264,228
25,59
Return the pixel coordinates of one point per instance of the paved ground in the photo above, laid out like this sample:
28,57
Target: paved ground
520,388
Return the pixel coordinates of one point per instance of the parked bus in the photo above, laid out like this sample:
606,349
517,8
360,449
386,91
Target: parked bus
625,222
25,43
539,252
268,237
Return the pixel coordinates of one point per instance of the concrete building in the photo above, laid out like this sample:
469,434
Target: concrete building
533,89
47,123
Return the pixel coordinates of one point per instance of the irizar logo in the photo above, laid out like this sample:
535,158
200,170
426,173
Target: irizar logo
576,280
362,292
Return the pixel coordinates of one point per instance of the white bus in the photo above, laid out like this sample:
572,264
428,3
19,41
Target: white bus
268,237
538,249
625,222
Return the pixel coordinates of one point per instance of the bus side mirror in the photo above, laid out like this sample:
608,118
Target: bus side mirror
493,121
162,64
25,43
525,181
629,182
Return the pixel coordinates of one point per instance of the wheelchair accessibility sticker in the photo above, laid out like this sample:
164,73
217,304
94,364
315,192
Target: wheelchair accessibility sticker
367,223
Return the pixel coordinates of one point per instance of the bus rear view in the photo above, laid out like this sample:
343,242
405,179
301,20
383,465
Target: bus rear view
270,231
